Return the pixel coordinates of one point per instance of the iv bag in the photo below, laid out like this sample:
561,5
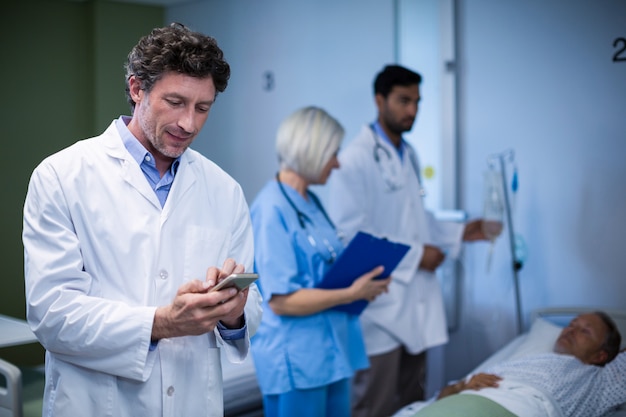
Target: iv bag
493,209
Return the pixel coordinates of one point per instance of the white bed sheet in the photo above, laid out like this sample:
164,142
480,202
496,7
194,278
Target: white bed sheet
545,328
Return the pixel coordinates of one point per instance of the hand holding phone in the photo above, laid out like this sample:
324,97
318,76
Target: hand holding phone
241,281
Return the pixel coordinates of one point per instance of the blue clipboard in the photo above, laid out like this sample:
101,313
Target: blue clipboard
364,253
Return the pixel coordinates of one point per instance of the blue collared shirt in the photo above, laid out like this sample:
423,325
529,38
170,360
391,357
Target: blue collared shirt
381,133
161,186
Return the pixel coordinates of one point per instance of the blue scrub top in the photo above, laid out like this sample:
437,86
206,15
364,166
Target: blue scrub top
306,351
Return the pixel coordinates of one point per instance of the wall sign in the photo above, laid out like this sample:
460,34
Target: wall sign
268,80
620,52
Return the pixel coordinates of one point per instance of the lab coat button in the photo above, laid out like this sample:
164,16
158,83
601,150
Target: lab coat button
163,274
170,391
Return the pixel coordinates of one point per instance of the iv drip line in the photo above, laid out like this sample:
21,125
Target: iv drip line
500,158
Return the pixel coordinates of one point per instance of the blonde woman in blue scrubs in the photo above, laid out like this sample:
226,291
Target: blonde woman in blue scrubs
304,351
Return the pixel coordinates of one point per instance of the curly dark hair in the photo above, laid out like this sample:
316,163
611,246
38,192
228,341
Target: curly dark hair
179,49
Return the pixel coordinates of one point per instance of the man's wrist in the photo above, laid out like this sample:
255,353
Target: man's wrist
159,325
241,323
237,333
459,386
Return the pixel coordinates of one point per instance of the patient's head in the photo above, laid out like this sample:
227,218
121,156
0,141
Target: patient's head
591,337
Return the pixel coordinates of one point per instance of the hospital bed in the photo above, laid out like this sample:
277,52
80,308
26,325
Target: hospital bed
21,390
545,328
242,396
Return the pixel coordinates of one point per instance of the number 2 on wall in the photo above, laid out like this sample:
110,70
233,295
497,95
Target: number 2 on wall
620,54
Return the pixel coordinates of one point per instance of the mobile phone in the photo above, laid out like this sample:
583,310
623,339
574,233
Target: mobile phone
240,281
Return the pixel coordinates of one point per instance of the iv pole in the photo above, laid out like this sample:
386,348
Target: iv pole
517,264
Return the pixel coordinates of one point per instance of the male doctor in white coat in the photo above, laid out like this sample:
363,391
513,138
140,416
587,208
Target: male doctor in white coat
124,236
377,190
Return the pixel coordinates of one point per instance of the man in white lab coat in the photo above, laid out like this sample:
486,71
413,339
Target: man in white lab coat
377,190
124,236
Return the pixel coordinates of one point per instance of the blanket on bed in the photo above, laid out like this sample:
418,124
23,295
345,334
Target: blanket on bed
466,406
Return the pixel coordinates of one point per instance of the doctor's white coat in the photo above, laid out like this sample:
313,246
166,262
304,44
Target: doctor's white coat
412,312
100,256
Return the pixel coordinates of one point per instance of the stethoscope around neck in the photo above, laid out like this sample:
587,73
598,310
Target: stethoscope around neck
303,219
388,169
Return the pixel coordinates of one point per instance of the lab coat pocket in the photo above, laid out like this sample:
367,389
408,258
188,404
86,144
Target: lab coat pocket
396,292
206,247
384,299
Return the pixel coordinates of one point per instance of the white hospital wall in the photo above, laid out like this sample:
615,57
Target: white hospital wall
322,53
536,76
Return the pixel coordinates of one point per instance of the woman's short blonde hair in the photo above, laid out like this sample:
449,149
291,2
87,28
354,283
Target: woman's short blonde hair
306,140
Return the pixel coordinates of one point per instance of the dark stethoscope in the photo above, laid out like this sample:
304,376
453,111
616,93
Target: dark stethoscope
387,167
303,219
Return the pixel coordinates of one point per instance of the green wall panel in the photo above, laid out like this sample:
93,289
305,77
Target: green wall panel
62,66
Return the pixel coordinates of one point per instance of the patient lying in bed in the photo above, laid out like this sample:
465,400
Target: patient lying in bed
584,376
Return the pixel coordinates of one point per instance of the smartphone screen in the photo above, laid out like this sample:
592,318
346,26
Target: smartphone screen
241,281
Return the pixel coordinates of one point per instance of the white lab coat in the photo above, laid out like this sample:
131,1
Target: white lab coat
412,312
100,256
